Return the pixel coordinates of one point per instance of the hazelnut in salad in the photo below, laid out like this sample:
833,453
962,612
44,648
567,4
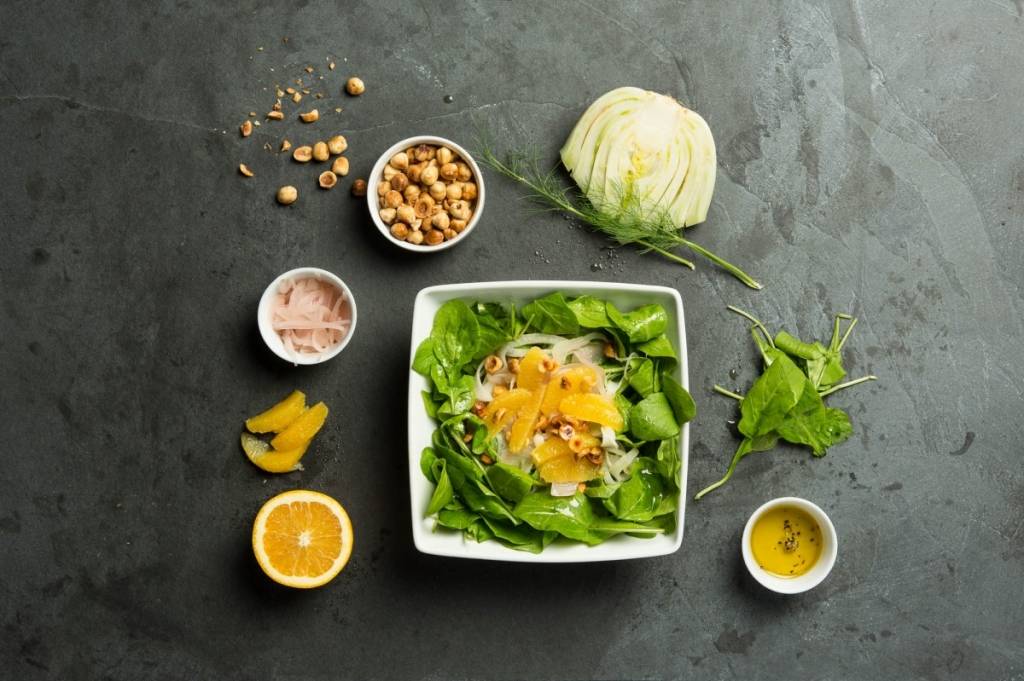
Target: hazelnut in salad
427,195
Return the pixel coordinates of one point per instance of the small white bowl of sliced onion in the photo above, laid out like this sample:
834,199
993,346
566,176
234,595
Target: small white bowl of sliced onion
307,315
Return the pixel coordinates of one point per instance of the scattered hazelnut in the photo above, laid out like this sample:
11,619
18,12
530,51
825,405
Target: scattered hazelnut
359,187
246,128
285,145
433,237
493,364
337,144
415,238
244,169
513,365
310,116
303,154
392,199
287,195
340,166
296,97
405,214
327,179
387,215
275,115
320,152
355,86
399,230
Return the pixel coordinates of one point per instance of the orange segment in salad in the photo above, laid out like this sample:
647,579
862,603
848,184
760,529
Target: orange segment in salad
594,408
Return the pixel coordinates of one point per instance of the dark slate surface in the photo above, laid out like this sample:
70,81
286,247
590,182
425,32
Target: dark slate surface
870,161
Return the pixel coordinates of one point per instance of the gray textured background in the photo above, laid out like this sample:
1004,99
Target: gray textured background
870,161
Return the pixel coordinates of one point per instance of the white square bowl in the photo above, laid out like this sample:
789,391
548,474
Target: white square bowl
452,543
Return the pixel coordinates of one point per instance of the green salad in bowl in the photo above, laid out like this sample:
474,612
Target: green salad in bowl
556,420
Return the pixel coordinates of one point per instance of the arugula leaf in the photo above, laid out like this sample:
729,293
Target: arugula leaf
771,397
640,496
552,314
590,312
443,493
508,481
683,406
652,418
455,334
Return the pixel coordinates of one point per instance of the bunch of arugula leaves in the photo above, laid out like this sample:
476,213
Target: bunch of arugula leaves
786,401
502,502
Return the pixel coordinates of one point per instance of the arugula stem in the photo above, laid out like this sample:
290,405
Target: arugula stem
839,387
741,451
755,320
842,341
724,264
728,393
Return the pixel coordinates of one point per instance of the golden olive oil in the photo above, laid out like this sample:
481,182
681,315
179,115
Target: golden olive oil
786,541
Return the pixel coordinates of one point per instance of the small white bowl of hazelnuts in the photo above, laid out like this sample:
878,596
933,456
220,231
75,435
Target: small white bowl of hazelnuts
425,194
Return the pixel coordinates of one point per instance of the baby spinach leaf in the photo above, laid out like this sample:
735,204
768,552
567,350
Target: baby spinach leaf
443,493
424,359
642,377
599,489
683,406
460,397
624,406
812,424
551,314
771,397
652,418
521,537
429,405
569,516
427,459
668,461
456,519
509,482
642,324
640,495
658,347
479,531
590,312
455,334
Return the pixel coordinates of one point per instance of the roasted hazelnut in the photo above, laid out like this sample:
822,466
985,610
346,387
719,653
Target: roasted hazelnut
399,182
399,231
288,194
400,161
359,187
387,215
464,174
459,225
450,234
433,237
340,166
454,191
355,86
428,176
440,221
444,155
392,199
383,188
415,237
423,205
327,180
405,214
389,172
449,171
469,191
320,152
411,193
337,144
415,170
437,191
460,210
424,152
303,154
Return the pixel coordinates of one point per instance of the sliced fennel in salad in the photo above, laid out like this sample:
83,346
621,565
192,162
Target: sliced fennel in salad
556,421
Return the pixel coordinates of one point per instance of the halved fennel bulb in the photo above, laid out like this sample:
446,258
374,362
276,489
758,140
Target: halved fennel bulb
637,149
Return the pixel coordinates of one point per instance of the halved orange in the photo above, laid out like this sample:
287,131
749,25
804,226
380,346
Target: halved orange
302,538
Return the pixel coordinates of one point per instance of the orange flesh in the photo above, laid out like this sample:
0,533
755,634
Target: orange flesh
302,539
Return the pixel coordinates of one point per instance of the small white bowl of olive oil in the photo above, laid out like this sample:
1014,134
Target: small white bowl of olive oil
789,545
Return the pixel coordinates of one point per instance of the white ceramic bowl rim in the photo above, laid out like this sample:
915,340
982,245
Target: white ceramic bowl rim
375,178
811,578
273,339
421,427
